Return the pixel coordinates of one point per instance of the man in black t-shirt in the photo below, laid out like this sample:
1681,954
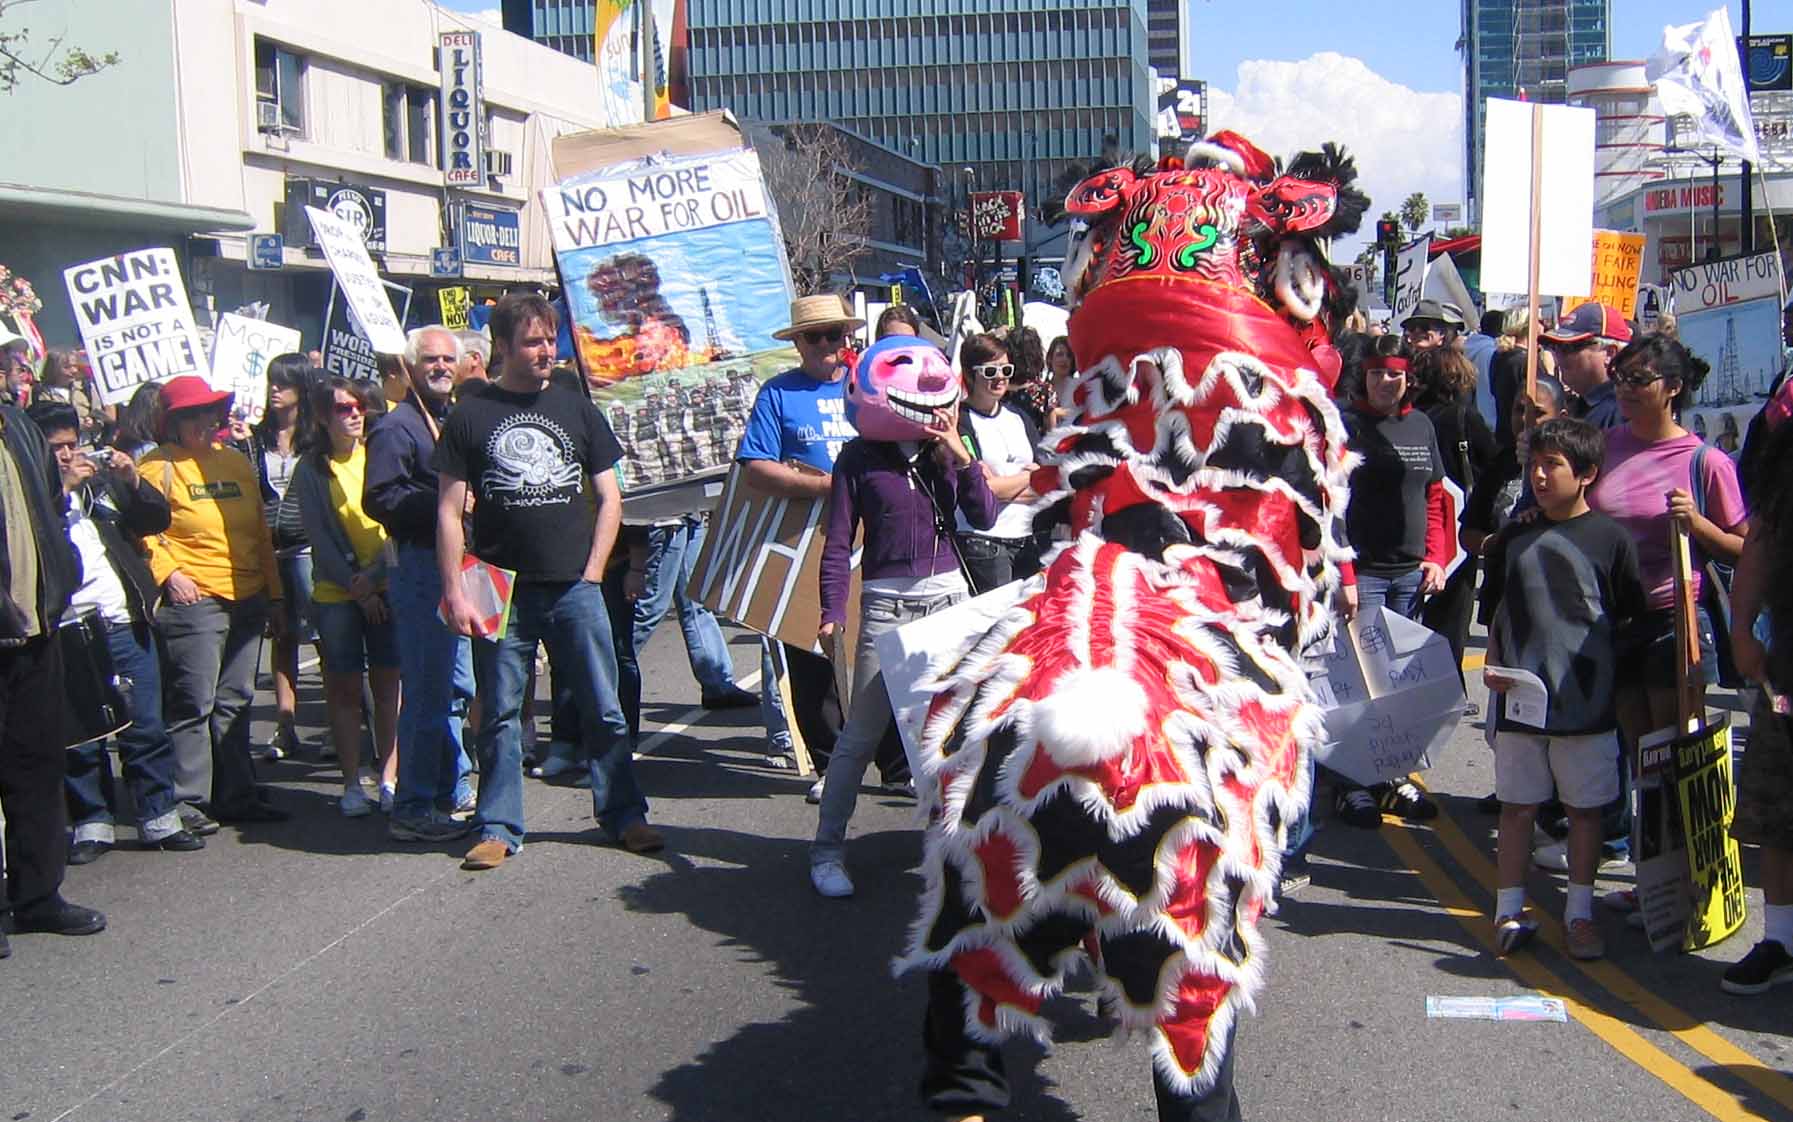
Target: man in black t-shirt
528,451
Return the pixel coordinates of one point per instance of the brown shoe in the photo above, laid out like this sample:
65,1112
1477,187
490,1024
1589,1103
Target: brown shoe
642,838
488,854
1585,941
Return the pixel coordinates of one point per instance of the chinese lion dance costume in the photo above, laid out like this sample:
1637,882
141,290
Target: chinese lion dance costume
1111,770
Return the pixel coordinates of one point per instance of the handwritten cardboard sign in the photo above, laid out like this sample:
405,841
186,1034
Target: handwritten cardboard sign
358,281
1618,263
135,321
1410,277
761,563
241,350
1390,697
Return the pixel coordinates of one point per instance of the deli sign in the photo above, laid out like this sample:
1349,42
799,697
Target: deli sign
463,109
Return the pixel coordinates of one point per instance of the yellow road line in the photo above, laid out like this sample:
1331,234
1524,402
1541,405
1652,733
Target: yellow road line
1474,660
1621,1037
1621,985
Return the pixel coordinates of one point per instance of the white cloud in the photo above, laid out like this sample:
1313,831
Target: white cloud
1404,140
489,15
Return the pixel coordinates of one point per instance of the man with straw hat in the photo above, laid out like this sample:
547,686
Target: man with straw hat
797,427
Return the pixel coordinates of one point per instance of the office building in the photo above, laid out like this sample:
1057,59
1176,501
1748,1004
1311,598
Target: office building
1013,90
1522,49
1167,30
565,25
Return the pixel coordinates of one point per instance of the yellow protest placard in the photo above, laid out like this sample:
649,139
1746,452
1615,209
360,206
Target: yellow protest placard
1707,797
456,304
1618,263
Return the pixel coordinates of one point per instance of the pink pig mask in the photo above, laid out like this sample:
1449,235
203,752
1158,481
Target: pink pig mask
895,387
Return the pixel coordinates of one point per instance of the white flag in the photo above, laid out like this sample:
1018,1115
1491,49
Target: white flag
1697,72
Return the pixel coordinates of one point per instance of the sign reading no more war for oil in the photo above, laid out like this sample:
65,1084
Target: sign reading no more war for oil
135,321
1729,314
675,279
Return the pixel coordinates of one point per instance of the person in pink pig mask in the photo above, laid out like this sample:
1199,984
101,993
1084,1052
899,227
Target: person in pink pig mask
904,478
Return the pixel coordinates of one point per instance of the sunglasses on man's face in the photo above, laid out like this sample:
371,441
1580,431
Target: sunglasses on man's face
814,337
994,371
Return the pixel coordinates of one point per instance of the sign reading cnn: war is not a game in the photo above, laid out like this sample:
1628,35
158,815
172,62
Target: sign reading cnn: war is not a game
135,321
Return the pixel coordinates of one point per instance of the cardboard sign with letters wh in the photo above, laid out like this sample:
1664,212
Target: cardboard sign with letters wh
358,281
135,321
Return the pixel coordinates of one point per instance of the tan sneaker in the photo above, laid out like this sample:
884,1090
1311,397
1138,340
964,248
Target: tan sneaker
1585,941
488,854
639,837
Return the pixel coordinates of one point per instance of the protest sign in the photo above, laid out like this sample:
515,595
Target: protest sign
456,303
135,321
241,348
912,657
1658,844
1706,796
358,281
761,562
674,344
346,350
1363,280
1728,313
1565,202
1618,263
1390,697
1444,282
1410,277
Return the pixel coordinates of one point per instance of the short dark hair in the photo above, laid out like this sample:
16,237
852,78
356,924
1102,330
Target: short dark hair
518,308
54,416
898,313
1667,357
1493,323
977,350
1583,445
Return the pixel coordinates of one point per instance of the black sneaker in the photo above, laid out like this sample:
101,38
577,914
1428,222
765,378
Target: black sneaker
197,821
87,851
5,947
1765,966
57,916
1354,807
1405,800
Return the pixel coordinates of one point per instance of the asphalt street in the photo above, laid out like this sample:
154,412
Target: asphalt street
313,970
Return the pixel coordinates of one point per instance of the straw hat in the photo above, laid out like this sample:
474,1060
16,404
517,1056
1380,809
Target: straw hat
812,313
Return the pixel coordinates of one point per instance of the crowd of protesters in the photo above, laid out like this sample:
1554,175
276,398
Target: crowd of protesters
335,515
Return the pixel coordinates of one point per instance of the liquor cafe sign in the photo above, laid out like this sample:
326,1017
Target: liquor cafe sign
463,109
1668,200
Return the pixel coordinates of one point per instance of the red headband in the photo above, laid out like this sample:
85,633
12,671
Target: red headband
1389,362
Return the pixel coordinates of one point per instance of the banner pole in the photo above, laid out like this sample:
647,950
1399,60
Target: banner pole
1532,253
1687,640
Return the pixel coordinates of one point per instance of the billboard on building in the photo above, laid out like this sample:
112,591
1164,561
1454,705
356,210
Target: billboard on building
674,344
618,60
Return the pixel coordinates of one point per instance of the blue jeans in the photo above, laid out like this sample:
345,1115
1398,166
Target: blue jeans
1399,594
144,750
432,763
574,623
672,551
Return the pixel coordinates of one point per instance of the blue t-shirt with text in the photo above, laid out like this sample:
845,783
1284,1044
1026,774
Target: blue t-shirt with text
798,418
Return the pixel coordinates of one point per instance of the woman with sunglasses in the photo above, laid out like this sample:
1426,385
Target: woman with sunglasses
1002,438
273,449
1647,483
349,608
220,588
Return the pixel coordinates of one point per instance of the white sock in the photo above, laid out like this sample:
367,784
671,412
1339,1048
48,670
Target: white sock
1581,903
1509,902
1778,924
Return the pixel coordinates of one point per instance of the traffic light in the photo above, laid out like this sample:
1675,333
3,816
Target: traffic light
1388,231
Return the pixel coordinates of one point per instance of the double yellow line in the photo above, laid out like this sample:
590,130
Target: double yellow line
1476,921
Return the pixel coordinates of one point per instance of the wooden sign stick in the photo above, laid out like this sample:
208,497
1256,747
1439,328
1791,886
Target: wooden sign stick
1532,253
1689,715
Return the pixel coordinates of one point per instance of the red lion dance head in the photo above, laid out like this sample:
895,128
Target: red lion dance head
1112,768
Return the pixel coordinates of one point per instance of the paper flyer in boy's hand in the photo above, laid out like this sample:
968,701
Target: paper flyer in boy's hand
1526,700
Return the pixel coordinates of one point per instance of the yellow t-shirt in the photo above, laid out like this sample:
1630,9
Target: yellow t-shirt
365,535
217,536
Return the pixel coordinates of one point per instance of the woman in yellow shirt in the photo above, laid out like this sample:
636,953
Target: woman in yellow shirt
215,564
348,592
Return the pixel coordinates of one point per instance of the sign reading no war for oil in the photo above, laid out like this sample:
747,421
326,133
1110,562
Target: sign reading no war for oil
135,321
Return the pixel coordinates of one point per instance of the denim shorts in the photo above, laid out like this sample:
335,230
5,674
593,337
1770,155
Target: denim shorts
295,581
1654,644
349,644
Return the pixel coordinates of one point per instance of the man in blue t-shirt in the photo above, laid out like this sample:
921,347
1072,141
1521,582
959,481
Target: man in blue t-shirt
797,427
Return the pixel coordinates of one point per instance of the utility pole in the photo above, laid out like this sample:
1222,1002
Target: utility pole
644,56
1747,211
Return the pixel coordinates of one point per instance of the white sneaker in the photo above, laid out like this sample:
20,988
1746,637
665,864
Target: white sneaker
354,802
830,879
1556,857
815,792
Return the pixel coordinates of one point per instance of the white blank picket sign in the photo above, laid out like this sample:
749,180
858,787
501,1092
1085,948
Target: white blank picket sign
1566,199
359,281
